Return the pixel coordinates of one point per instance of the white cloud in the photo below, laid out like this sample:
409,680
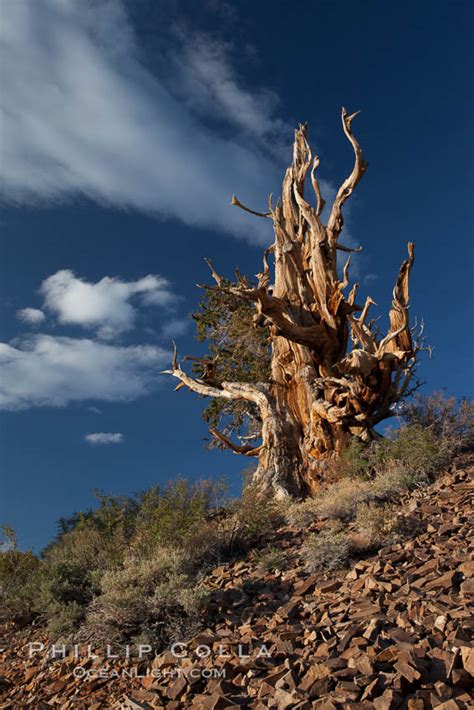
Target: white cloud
175,327
104,438
33,316
104,305
54,371
81,116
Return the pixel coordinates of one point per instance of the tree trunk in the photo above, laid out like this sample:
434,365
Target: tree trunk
320,395
311,442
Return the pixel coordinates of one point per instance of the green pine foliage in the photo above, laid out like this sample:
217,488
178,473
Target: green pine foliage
241,353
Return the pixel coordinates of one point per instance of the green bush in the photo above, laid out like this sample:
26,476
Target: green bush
63,619
17,585
64,589
412,447
176,514
433,429
451,420
356,461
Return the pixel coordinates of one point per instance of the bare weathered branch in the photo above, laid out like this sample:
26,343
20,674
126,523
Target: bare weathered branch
237,203
369,302
316,187
245,449
345,275
218,279
399,336
348,250
264,276
336,220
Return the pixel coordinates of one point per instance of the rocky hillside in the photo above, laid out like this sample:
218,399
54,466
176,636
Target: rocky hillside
393,631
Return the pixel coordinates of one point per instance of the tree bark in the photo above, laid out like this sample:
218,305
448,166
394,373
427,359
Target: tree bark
321,392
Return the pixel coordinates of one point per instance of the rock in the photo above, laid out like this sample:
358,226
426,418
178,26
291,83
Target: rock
467,657
407,671
415,704
213,702
467,568
177,688
134,704
388,701
285,700
444,582
440,622
330,586
467,587
306,586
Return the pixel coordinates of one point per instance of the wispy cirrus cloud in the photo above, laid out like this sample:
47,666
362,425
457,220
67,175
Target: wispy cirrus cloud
45,370
205,80
82,116
104,438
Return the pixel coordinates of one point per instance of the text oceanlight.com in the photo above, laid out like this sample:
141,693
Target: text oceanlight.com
82,673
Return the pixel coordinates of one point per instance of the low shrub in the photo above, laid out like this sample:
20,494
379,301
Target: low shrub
337,502
247,523
392,481
271,559
257,516
355,461
340,501
375,526
301,514
451,420
63,619
328,550
433,429
172,516
64,589
155,597
17,585
413,447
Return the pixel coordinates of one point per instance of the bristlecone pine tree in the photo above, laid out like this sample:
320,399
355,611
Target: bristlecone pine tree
320,392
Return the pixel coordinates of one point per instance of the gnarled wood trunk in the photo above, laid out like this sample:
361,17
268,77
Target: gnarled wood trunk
321,392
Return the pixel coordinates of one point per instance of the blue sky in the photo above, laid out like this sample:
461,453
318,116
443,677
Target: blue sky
126,128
